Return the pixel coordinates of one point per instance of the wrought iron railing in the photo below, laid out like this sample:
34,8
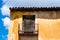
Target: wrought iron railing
21,29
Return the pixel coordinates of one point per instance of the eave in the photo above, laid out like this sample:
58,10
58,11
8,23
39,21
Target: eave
35,9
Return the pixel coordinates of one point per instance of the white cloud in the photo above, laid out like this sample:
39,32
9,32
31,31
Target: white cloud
5,11
6,22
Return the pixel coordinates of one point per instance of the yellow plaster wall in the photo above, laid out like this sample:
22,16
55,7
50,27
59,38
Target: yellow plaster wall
16,18
48,24
49,29
10,30
13,31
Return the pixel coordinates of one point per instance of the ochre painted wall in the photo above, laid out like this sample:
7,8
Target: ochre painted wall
48,24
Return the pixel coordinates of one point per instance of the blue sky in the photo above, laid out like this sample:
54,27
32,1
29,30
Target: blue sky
3,30
5,12
31,3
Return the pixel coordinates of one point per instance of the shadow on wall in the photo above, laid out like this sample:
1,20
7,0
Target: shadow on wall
15,15
40,14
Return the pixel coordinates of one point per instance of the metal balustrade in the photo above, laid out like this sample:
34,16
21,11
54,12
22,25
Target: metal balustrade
22,31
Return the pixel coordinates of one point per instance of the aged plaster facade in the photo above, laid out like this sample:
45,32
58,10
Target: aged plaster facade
47,23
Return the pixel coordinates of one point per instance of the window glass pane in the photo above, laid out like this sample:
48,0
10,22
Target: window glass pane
28,23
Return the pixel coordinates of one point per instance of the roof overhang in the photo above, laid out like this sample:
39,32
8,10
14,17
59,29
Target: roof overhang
35,9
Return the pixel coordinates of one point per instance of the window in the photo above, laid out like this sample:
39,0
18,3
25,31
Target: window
28,23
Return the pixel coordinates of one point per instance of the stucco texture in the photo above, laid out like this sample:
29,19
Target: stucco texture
48,24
